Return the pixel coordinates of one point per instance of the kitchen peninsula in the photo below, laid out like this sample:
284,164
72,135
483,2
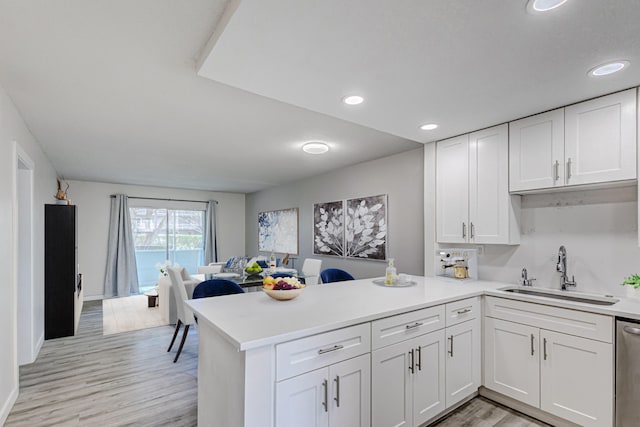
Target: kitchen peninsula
255,352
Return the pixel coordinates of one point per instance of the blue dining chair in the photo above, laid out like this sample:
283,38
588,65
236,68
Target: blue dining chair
278,275
330,275
216,288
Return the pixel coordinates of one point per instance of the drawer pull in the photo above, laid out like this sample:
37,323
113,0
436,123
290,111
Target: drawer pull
465,311
325,386
330,349
415,325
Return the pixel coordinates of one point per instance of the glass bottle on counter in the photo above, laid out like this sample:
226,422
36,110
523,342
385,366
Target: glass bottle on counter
391,274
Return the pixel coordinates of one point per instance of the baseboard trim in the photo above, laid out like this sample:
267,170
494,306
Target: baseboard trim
93,297
444,414
39,345
8,405
536,413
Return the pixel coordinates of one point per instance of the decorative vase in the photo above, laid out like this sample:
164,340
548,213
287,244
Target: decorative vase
632,292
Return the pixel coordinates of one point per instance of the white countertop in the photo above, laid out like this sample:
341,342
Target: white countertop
254,319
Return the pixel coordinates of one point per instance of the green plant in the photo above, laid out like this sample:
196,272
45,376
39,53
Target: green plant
632,281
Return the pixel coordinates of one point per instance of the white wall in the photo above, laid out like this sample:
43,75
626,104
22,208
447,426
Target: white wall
12,128
93,201
599,229
399,176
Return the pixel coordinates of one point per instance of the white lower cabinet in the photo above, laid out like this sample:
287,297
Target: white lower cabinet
462,364
563,374
335,396
511,360
576,379
408,382
417,379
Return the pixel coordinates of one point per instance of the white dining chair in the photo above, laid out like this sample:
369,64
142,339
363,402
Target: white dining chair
209,269
184,314
311,270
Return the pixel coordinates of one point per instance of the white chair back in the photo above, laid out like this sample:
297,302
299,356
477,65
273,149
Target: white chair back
311,270
209,269
180,296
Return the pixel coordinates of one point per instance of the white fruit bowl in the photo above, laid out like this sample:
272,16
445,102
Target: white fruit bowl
283,295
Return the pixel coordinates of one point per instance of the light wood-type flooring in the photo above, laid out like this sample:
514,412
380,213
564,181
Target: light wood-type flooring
125,379
481,412
129,379
129,314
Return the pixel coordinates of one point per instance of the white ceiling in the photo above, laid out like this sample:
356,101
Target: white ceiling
109,87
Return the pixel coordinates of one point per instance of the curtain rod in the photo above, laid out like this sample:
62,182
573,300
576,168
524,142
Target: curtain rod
167,200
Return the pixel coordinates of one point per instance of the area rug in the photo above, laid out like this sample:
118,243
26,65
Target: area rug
129,314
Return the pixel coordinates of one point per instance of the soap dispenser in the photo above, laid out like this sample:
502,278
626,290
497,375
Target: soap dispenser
391,276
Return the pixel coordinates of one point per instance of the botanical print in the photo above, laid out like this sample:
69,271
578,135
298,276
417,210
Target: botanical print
366,227
328,228
278,231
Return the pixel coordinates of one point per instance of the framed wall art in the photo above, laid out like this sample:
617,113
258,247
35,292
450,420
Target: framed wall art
278,231
366,228
328,228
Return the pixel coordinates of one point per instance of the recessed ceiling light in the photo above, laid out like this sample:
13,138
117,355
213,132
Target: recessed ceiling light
536,6
315,147
429,126
608,68
353,100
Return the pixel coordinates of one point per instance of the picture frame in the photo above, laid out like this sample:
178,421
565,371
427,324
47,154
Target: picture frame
278,231
328,228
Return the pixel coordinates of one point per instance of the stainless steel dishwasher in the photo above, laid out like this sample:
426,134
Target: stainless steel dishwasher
627,373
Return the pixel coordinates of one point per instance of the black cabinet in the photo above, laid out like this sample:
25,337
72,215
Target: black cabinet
62,285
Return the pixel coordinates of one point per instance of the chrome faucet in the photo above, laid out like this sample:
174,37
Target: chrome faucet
561,267
525,280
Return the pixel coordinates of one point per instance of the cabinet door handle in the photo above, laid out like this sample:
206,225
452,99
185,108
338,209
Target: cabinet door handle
325,385
532,352
415,325
544,348
419,363
450,346
556,171
411,361
330,349
464,230
465,311
337,398
471,230
568,168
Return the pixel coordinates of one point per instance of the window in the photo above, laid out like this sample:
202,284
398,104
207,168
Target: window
166,234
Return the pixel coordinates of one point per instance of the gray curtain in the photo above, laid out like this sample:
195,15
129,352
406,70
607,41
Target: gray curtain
210,242
121,277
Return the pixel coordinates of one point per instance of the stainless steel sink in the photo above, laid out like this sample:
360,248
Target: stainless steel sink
562,295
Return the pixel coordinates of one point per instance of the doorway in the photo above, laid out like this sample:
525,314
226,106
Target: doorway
28,342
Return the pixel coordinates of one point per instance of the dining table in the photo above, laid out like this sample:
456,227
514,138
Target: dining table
249,283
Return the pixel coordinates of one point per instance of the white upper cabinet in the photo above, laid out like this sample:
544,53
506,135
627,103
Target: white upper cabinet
587,143
473,204
452,193
536,151
600,139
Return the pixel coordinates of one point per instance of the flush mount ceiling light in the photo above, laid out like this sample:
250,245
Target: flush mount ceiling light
315,148
353,100
429,126
608,68
537,6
